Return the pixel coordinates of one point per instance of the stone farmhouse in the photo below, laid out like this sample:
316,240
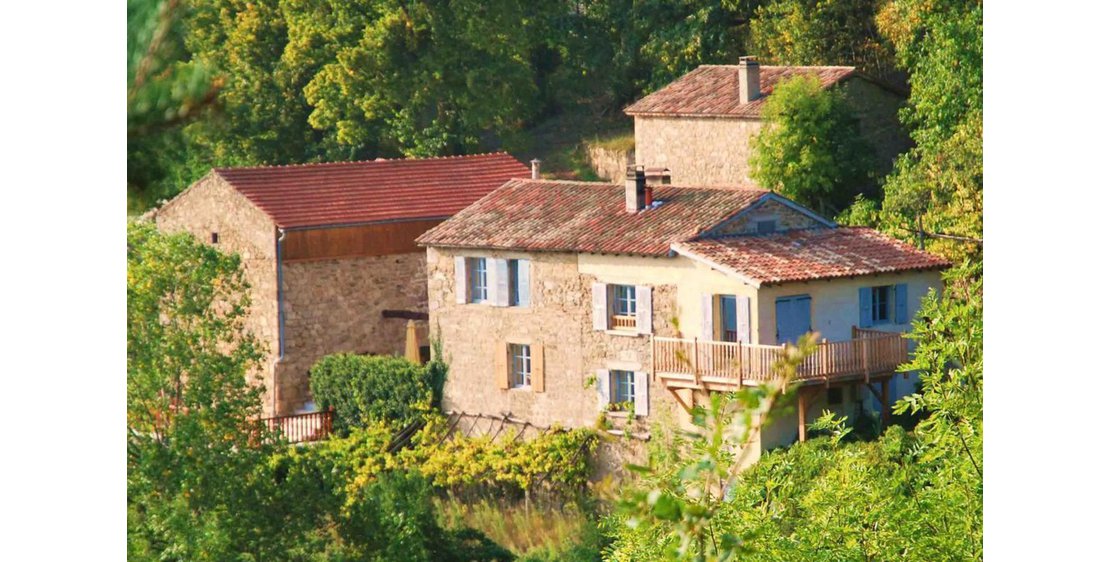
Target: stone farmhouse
701,125
561,301
329,251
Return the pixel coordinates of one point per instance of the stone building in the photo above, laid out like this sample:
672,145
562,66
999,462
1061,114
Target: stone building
701,125
329,251
559,302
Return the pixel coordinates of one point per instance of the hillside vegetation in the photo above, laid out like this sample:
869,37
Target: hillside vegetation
236,82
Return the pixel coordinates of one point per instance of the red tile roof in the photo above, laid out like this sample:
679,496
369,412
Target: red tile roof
806,255
714,90
372,191
546,215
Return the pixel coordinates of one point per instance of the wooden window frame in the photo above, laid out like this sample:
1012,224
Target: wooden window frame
472,280
622,319
884,295
615,382
520,365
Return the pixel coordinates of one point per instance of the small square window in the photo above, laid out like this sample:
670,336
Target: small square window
881,299
215,237
521,365
623,387
766,226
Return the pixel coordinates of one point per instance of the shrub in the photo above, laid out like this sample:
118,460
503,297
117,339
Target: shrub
364,389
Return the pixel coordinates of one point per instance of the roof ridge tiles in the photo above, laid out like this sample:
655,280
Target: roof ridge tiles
349,162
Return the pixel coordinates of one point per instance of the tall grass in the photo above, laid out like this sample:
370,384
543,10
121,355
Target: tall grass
537,531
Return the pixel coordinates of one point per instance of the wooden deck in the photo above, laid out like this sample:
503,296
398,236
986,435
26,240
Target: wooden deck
725,366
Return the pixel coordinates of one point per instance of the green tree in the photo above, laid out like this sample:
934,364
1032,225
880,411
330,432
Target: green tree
823,32
166,90
939,183
811,150
366,389
196,484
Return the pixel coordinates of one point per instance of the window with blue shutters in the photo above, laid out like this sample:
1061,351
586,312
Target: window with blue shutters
884,304
519,281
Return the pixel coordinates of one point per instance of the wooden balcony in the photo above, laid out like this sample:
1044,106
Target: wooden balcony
725,366
302,428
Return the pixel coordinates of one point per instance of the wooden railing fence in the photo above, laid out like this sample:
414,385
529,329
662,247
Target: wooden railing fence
868,352
302,428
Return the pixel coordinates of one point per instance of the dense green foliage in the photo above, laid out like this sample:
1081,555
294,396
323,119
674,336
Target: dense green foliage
556,461
812,152
940,44
205,481
365,389
284,81
823,32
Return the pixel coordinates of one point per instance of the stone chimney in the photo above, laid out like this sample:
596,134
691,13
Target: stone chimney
749,79
535,168
635,189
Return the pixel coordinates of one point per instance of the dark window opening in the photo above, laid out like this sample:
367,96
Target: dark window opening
836,396
215,237
765,227
881,299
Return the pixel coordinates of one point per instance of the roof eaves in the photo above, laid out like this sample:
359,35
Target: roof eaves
688,253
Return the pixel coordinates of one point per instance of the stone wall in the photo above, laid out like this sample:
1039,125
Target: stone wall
211,206
698,151
785,218
336,305
559,318
715,151
610,164
877,109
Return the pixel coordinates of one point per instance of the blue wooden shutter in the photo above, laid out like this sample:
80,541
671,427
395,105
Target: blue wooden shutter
865,307
901,315
524,282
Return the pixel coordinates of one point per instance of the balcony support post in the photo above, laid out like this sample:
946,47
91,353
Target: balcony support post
801,415
886,401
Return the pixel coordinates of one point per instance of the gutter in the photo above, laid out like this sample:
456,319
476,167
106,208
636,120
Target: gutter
281,325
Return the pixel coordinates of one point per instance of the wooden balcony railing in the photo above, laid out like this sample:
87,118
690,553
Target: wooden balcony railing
302,428
623,322
869,352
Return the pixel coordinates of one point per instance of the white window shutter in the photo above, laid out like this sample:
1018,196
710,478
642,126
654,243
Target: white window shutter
524,282
641,398
707,316
460,279
499,284
602,390
600,305
643,309
743,319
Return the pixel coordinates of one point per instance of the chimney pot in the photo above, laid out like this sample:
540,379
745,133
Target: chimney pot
535,168
635,188
749,79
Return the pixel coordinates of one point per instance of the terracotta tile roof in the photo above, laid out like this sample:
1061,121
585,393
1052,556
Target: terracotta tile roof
714,90
370,191
546,215
806,255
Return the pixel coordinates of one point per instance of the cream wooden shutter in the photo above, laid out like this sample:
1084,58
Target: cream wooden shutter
707,317
499,283
537,367
640,379
643,309
501,365
743,319
460,280
600,305
602,389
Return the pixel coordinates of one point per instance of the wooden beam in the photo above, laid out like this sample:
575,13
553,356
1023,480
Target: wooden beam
689,408
886,401
801,415
405,314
